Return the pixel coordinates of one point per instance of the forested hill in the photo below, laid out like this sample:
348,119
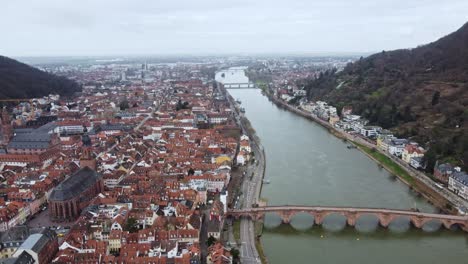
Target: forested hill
420,93
18,80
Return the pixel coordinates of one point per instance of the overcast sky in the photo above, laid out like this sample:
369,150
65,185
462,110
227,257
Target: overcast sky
138,27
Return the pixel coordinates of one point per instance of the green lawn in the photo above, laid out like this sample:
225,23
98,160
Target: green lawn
388,163
259,247
258,228
236,230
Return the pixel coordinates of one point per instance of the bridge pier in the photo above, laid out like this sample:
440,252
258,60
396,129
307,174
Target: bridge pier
259,217
417,221
385,220
351,218
318,217
286,216
447,224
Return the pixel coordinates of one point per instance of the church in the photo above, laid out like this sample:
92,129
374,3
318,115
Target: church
76,192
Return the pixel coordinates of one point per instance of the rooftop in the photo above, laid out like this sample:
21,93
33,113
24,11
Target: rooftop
75,184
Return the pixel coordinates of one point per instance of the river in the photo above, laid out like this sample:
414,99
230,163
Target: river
309,166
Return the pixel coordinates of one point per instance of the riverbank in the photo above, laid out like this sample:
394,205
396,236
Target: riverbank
259,174
370,150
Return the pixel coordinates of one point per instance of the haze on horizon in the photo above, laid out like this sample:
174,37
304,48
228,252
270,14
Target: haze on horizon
138,27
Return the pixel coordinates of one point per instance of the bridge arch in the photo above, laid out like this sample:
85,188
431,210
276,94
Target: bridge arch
419,221
432,225
302,220
367,222
335,221
450,225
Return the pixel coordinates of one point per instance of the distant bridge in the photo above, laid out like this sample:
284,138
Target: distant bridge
385,216
17,100
239,86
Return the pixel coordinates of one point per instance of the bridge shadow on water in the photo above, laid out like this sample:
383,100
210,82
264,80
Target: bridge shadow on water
366,226
351,232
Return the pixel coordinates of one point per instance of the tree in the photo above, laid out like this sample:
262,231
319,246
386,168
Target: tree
124,105
235,254
429,160
131,225
210,241
435,98
191,172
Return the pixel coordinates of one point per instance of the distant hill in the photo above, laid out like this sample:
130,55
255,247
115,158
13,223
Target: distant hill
421,93
18,80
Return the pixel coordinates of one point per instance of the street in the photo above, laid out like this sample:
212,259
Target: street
250,193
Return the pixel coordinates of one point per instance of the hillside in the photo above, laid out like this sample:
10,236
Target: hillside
420,93
18,80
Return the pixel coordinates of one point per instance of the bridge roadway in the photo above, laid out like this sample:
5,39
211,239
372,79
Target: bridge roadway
385,216
239,86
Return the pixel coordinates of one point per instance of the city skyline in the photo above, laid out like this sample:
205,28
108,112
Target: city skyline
108,28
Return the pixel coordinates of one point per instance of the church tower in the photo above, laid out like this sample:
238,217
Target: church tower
7,130
87,158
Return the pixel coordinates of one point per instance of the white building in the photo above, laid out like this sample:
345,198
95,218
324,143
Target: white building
458,183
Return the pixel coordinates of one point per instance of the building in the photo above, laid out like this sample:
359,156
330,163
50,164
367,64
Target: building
396,146
6,128
412,150
416,162
87,159
218,254
33,141
41,246
443,171
217,118
458,183
11,239
75,193
30,145
370,131
383,141
334,119
216,220
201,121
23,258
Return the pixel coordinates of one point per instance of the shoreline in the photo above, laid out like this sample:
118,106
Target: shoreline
432,197
256,144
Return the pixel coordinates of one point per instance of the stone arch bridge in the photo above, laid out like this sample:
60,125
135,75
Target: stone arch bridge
385,216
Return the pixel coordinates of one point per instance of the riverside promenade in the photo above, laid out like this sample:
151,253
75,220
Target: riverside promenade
251,187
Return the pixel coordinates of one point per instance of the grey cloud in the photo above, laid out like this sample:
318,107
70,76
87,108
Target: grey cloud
110,27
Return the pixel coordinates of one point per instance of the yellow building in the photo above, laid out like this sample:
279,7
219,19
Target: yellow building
412,151
333,120
382,141
223,160
115,240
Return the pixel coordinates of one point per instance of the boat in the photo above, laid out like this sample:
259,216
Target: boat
266,181
242,109
351,147
238,101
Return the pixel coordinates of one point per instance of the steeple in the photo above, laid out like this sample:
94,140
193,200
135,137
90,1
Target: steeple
7,130
87,158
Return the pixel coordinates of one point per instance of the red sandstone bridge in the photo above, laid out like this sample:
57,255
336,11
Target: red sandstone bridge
385,216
